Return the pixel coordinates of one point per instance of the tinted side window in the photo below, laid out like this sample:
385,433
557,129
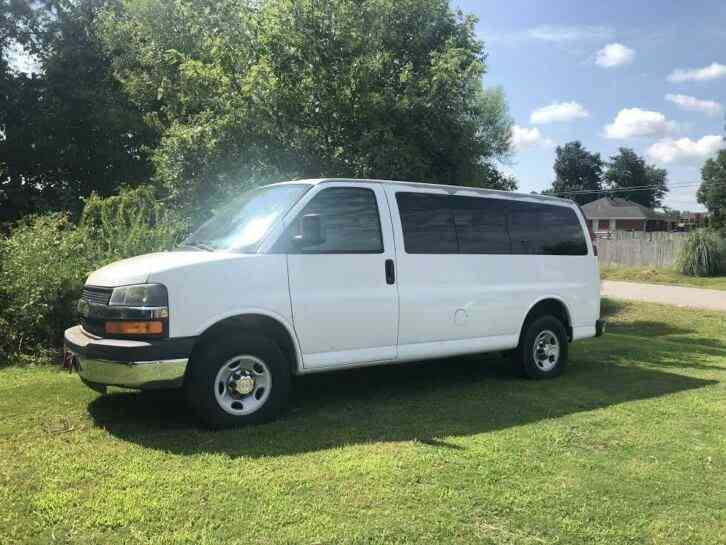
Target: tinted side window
481,225
545,230
349,219
428,223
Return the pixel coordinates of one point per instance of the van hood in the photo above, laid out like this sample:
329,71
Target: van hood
141,269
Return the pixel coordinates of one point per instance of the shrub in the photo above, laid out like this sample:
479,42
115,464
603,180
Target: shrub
46,259
131,223
700,254
44,264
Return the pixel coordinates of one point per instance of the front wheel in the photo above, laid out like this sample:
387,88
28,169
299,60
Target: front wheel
238,381
542,350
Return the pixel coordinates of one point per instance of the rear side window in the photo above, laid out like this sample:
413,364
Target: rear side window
428,223
449,224
349,219
481,225
543,229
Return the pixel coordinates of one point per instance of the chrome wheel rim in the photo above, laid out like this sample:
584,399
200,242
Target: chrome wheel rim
546,350
242,385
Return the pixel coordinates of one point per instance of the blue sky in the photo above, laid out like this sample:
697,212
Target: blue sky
645,75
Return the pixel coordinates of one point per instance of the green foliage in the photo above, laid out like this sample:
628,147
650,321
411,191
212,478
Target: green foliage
44,265
69,130
46,259
244,92
700,255
577,169
131,223
628,170
712,193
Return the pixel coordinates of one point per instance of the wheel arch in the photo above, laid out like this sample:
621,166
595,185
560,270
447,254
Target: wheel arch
548,305
253,321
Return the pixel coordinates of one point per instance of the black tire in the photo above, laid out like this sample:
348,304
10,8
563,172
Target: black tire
523,357
200,381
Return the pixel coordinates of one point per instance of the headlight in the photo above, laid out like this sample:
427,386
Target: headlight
141,295
140,311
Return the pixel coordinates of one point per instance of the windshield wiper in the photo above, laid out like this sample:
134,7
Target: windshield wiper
199,244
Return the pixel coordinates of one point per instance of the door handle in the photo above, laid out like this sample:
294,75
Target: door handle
390,272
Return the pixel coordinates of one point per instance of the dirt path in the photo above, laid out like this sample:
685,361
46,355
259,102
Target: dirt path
667,295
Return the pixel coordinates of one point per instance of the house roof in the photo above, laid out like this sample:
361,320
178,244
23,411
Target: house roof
617,207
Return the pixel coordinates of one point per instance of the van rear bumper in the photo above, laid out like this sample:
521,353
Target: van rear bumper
127,363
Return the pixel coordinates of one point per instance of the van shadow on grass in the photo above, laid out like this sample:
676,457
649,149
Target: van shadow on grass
426,402
612,309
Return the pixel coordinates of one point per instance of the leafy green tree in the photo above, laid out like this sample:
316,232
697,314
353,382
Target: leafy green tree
69,130
635,180
577,169
245,91
712,192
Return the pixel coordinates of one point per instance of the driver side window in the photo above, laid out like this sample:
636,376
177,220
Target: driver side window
348,219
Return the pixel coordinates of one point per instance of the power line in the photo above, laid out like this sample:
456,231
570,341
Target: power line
622,189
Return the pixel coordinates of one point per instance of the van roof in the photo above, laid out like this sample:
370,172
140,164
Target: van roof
452,189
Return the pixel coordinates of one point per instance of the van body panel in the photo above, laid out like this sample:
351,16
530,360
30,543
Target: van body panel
223,288
456,296
136,270
343,309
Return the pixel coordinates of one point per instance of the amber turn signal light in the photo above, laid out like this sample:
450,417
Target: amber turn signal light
134,328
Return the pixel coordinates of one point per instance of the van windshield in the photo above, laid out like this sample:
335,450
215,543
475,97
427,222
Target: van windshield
242,224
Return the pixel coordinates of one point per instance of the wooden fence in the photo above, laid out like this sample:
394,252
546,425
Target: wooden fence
639,249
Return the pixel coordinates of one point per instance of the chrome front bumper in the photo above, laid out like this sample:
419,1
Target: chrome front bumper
143,365
136,374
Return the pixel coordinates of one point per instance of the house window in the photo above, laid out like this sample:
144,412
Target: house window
603,225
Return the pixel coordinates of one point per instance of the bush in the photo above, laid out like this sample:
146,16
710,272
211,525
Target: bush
44,264
131,223
700,255
46,259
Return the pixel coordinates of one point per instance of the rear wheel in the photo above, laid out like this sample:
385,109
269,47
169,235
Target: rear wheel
542,350
238,381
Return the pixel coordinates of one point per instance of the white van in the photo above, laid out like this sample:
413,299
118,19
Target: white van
321,275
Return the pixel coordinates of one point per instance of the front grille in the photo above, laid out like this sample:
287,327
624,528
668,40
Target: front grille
98,296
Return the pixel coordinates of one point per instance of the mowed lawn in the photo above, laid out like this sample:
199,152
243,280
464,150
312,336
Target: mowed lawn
651,275
629,446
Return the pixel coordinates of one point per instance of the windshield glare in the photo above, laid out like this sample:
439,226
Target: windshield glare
241,224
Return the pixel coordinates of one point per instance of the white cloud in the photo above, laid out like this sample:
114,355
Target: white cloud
558,112
693,104
613,55
554,34
684,150
562,34
712,71
523,138
632,122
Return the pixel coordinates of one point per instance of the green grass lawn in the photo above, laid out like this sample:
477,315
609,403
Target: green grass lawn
627,447
661,276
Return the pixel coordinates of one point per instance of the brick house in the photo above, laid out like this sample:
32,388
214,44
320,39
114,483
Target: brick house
610,214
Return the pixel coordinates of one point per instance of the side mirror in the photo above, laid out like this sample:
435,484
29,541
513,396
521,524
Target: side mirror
311,231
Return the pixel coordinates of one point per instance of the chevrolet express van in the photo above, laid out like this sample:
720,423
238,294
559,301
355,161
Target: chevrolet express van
320,275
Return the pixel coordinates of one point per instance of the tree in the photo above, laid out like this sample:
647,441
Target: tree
712,192
635,180
577,169
69,130
245,91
